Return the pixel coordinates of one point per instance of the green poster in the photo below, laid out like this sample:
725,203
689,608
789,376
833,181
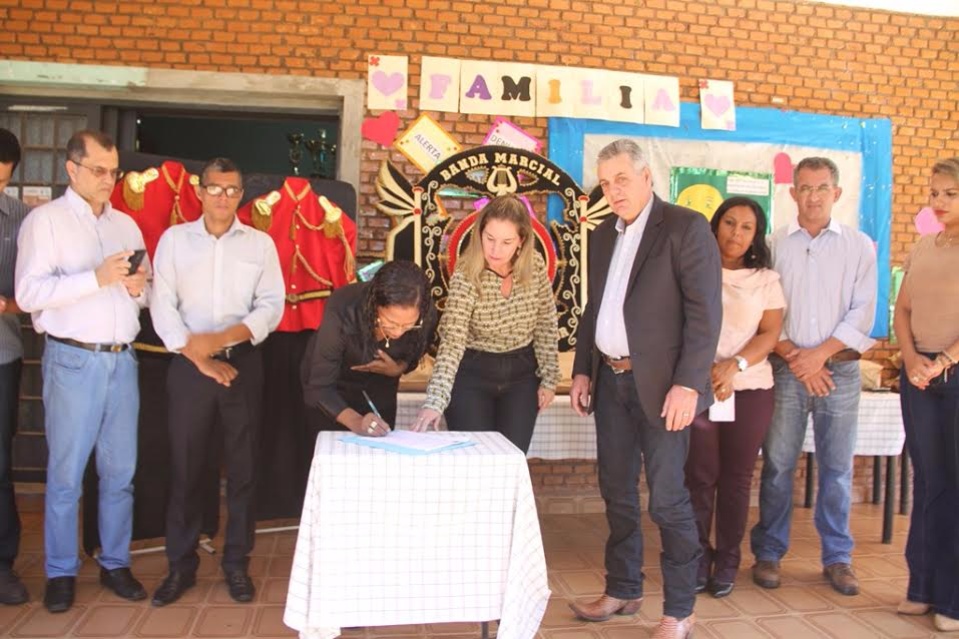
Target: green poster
895,282
704,190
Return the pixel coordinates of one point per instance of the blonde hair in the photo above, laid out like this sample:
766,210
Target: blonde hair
948,167
508,208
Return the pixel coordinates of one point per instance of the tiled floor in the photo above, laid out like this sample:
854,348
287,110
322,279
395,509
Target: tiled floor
803,607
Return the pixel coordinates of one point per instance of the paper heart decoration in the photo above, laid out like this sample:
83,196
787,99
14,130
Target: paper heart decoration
387,83
782,169
718,104
927,223
381,129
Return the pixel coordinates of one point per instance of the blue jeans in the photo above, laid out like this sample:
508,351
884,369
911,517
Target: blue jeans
835,421
89,400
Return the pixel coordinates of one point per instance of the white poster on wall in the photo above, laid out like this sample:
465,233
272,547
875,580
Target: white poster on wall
746,157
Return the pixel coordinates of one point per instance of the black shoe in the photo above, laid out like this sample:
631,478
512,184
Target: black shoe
173,587
59,595
719,589
12,590
701,583
240,585
123,583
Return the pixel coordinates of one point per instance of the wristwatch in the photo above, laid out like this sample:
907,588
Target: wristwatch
741,363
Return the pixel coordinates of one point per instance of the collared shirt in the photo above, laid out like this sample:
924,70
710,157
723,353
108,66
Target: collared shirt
61,244
12,212
830,284
611,324
205,284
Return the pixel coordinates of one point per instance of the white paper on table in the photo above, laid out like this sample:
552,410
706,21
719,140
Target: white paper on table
724,411
423,441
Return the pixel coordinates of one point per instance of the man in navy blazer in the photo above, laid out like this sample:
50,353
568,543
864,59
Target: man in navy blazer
644,349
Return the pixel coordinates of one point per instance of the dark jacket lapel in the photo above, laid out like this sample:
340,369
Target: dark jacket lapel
650,235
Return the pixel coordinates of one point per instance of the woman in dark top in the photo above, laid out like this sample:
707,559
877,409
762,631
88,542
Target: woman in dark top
371,334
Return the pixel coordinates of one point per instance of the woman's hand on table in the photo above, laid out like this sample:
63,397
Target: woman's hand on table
426,419
383,364
370,426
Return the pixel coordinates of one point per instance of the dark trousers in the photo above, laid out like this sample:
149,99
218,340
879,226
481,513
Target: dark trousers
196,401
719,476
624,441
931,420
496,391
9,517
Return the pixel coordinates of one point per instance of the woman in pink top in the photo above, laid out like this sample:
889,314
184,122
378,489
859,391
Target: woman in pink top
722,454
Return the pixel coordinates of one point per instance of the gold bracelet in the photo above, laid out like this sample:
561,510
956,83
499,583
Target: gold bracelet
949,357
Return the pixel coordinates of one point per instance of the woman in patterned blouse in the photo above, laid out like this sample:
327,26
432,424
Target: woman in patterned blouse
497,363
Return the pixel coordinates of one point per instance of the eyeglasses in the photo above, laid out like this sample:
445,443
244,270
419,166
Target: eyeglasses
100,172
216,190
387,325
822,189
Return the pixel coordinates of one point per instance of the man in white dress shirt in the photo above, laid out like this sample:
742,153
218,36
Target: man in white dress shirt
72,274
218,292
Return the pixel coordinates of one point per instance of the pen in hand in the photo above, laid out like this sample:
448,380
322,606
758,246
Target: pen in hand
373,407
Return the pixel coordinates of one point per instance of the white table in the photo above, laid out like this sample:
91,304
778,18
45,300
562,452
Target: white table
392,539
562,434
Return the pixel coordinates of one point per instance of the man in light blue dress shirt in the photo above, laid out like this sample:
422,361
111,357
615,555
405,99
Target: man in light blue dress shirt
828,274
12,212
218,292
73,275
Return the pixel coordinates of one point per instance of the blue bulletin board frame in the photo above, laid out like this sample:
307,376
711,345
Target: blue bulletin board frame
871,137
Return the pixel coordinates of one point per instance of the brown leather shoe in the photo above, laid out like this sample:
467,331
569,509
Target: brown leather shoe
673,628
842,579
605,607
766,573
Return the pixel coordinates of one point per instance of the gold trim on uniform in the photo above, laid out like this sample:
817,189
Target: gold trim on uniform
262,213
135,185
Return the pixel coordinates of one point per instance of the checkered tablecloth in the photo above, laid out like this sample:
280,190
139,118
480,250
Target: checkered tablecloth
392,539
880,430
562,434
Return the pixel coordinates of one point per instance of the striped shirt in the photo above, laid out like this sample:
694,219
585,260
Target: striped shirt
487,321
12,212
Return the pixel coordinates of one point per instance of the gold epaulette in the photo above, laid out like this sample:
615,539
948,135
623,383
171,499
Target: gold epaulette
262,212
332,227
135,185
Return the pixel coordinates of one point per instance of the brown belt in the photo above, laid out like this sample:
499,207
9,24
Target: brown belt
619,365
845,355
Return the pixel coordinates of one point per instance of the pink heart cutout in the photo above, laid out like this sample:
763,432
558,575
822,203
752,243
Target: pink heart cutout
783,169
381,129
718,104
387,83
927,223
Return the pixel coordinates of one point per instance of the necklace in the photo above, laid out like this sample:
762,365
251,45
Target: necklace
944,239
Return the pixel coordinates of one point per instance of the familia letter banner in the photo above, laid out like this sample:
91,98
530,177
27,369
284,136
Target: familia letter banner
497,88
589,93
439,84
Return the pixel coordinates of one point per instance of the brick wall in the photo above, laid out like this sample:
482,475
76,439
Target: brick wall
815,58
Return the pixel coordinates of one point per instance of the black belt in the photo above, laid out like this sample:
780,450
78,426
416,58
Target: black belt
232,352
96,348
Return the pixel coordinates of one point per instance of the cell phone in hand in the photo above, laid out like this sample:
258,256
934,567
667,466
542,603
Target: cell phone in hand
135,260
